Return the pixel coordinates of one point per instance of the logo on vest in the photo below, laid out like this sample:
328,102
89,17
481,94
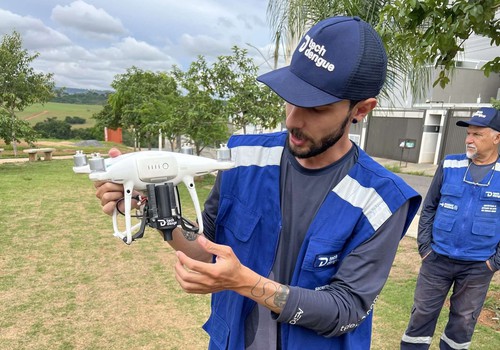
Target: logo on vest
450,206
315,52
325,260
491,194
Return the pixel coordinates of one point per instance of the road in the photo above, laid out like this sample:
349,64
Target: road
419,183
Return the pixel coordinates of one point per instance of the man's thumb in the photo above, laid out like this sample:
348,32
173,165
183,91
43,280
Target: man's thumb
209,246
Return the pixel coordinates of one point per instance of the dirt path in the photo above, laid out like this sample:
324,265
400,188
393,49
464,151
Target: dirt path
36,115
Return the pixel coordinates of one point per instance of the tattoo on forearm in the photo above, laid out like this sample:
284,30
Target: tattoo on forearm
255,290
190,236
281,296
278,296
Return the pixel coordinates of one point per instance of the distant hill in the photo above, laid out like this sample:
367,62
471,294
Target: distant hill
72,91
40,112
81,96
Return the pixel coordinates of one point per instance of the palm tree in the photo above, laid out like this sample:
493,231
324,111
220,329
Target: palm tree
422,38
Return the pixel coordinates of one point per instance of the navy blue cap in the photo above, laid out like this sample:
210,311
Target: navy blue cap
339,58
486,117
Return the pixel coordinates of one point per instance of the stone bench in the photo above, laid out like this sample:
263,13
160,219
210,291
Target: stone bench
32,153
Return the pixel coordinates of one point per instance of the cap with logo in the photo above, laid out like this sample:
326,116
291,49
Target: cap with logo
339,58
487,117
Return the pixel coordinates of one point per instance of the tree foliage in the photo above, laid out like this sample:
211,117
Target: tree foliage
434,31
135,102
202,113
495,103
290,19
416,33
75,120
89,97
198,104
53,128
57,129
245,100
20,86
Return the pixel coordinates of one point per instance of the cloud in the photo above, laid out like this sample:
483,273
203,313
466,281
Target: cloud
77,67
130,52
86,43
204,45
35,34
251,22
88,19
134,49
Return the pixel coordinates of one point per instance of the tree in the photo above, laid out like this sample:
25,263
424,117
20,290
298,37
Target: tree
106,118
434,31
246,101
416,33
139,100
495,103
290,19
20,86
203,119
197,103
53,128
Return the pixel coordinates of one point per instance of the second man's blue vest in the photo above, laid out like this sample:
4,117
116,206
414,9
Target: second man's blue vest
467,222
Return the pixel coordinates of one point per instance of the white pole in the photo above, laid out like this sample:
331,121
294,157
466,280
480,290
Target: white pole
159,141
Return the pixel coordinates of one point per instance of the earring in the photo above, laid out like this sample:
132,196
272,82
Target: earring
354,121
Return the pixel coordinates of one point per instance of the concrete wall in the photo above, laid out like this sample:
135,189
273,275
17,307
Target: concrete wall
388,129
467,86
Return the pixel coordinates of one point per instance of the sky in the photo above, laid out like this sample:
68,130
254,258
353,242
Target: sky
86,43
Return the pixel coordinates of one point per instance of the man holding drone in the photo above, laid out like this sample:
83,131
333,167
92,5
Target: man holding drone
299,237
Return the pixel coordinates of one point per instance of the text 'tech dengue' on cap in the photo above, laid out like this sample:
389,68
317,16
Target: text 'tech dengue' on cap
485,117
339,58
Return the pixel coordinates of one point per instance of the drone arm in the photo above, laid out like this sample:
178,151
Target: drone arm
189,182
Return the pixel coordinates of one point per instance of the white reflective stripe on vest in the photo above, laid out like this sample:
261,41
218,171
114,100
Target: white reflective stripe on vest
374,207
416,340
453,163
454,345
256,155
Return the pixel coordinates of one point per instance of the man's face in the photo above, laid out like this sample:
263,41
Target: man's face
312,131
480,141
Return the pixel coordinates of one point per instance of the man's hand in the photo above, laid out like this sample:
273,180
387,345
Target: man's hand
109,193
489,266
227,273
202,278
426,255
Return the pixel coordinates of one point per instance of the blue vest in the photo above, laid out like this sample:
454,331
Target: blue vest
249,220
467,222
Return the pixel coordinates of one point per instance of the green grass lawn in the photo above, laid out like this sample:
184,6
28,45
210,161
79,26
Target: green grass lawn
67,283
40,112
61,148
394,305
